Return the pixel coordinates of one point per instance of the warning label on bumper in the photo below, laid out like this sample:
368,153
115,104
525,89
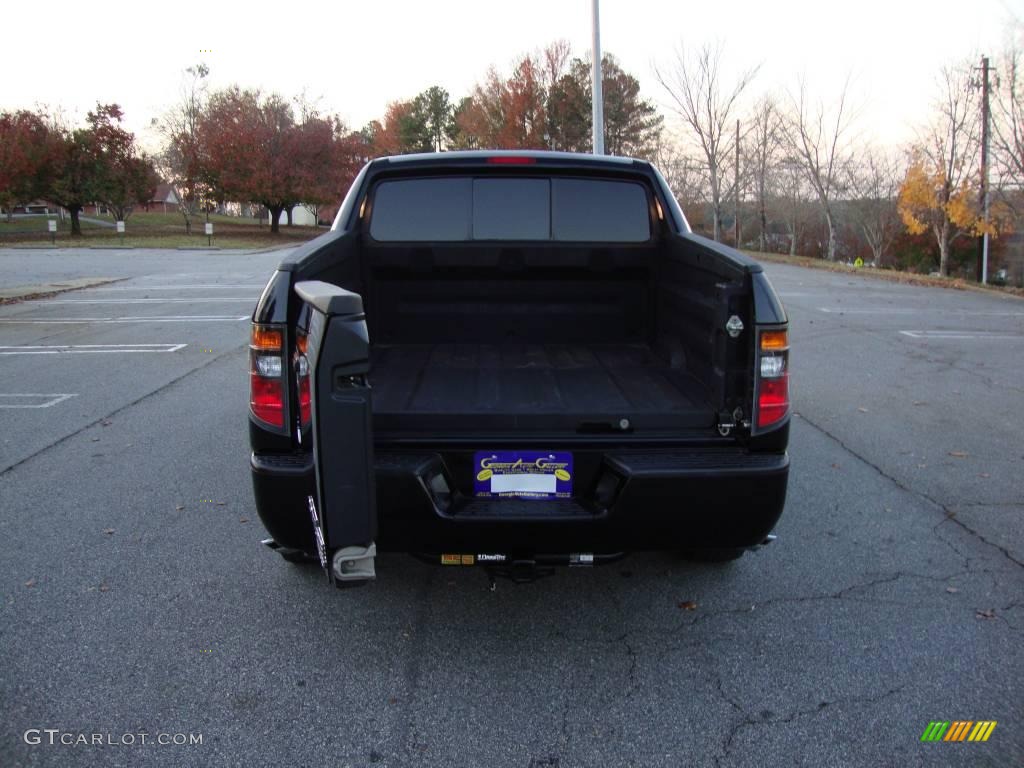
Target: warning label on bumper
522,474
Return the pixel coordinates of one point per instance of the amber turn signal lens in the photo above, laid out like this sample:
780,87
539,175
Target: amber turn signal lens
774,340
266,339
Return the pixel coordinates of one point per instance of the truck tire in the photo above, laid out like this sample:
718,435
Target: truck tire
296,556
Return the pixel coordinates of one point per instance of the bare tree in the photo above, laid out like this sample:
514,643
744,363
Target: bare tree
682,174
706,106
764,142
792,198
1008,122
875,183
182,160
820,138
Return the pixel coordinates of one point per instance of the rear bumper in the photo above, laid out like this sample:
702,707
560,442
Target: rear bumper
624,501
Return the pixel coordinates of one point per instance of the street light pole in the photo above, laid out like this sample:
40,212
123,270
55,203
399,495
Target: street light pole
598,97
984,166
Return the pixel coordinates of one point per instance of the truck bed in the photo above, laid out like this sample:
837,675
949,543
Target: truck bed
583,387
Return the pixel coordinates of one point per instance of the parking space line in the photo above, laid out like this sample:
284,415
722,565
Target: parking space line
78,349
905,311
49,400
993,335
129,319
203,300
222,286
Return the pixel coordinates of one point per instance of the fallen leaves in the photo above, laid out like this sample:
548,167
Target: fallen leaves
30,583
243,519
863,410
988,613
104,587
952,590
984,474
109,531
688,605
959,454
179,507
835,466
920,402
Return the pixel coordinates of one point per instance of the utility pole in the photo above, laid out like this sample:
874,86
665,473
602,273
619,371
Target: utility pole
736,224
985,117
598,97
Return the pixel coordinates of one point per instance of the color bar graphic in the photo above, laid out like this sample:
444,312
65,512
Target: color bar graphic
958,730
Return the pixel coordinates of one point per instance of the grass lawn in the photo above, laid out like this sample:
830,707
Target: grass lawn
892,275
33,225
158,230
177,221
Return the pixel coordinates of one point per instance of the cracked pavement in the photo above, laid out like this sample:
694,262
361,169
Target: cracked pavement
894,595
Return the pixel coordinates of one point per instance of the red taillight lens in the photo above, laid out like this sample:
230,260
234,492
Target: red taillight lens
266,375
772,401
302,376
305,401
266,398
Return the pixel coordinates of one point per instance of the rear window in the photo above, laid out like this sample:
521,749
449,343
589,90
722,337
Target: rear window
454,209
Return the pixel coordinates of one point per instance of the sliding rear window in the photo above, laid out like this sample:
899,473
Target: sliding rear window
460,209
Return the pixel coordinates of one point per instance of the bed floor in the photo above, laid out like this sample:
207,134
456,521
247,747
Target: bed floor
515,379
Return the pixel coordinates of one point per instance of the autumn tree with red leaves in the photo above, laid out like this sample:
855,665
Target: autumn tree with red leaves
507,113
29,154
251,142
122,176
100,163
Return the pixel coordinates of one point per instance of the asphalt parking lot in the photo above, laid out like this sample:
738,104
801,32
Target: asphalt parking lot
137,599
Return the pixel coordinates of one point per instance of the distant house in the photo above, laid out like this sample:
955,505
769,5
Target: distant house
164,199
36,206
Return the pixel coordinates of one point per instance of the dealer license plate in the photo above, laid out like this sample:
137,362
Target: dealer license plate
522,474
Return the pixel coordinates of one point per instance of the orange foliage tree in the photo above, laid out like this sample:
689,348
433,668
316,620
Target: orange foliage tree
936,193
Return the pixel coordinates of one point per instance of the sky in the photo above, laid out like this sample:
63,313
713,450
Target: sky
356,57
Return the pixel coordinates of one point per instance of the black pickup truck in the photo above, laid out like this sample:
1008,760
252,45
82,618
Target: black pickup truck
512,359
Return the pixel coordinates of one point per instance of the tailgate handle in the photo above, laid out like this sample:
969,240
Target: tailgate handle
329,299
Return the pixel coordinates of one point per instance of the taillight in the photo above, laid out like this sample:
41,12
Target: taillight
773,377
266,374
302,376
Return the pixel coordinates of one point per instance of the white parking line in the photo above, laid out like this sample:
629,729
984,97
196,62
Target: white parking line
47,400
222,286
904,311
140,319
204,300
994,335
78,349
